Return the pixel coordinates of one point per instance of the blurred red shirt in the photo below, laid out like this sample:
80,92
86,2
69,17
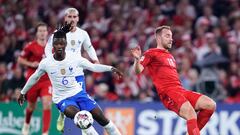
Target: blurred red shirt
33,52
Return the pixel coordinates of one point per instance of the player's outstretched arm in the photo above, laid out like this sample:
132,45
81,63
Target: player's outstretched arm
31,81
27,63
136,53
99,67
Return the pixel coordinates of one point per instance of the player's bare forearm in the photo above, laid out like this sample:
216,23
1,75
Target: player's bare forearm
27,63
136,53
137,66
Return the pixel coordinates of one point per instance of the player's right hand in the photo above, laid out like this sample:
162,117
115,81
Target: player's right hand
21,99
34,64
136,52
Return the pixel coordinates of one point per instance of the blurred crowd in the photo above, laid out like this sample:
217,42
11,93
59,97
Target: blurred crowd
206,43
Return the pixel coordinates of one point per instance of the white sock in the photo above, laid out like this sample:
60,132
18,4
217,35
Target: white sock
89,131
112,129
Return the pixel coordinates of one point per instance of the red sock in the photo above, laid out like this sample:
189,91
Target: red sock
192,127
28,115
46,120
203,117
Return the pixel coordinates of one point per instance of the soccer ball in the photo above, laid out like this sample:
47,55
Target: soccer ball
83,119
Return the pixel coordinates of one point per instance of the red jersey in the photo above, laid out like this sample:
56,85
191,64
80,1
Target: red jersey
33,52
161,66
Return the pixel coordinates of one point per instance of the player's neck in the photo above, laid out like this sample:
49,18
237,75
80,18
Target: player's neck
41,42
59,57
74,29
160,47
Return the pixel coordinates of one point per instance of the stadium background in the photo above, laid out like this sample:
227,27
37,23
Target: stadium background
206,48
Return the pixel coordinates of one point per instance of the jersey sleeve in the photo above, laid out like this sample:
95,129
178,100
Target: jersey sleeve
85,64
48,47
87,45
42,66
34,77
145,59
26,52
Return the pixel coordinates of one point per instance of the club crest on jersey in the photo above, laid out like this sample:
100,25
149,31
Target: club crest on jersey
63,71
73,42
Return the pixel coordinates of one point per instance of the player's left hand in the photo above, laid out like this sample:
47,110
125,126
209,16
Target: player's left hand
21,99
118,72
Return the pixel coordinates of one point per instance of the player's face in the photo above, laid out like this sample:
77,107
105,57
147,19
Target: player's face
42,33
59,45
166,38
72,17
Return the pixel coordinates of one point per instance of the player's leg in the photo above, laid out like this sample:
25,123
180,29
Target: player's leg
175,101
47,103
87,103
46,97
206,107
29,111
72,112
203,104
31,96
103,121
187,112
60,122
70,109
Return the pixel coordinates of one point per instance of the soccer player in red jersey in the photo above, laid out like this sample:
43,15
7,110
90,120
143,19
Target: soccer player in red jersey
30,57
194,107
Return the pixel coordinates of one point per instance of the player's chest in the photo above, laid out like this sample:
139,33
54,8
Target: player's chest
37,52
62,69
164,60
74,43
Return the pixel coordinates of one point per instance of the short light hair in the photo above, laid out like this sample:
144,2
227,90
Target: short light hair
69,10
161,28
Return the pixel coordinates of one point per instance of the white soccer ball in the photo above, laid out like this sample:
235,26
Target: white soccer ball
83,119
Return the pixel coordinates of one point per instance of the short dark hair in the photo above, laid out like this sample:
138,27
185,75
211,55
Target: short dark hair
159,29
39,24
59,34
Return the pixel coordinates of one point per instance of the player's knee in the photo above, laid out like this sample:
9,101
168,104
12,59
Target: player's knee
47,107
187,111
210,105
31,106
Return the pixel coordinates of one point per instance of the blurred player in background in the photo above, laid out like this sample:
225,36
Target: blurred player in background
68,95
77,39
193,107
30,57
